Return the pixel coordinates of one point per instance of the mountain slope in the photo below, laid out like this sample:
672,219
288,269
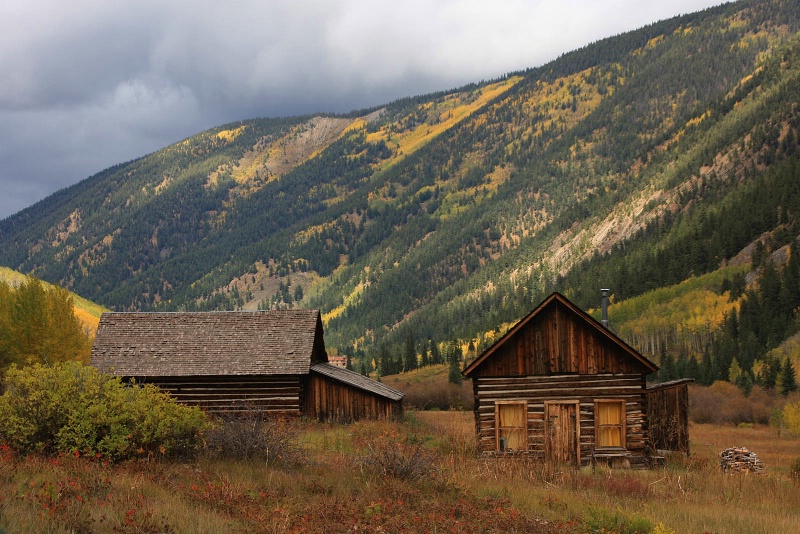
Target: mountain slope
629,163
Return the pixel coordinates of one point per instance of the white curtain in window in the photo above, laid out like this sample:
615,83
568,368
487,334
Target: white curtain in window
609,429
512,426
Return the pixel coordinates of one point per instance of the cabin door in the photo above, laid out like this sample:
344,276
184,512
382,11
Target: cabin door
561,432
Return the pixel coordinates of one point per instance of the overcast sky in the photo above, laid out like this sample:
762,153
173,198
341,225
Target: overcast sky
86,84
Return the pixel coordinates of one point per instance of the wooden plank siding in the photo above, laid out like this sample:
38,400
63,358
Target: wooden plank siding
330,400
275,395
570,346
585,389
668,412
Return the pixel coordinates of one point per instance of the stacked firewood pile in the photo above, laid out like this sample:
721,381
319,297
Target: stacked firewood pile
740,459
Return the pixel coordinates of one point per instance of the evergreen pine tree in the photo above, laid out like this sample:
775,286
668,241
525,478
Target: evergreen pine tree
424,360
471,352
298,293
384,361
734,372
681,364
787,380
693,369
410,354
454,374
769,372
454,353
436,357
791,279
745,383
667,371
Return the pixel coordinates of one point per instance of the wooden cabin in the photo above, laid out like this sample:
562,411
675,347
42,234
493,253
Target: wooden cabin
668,414
562,387
228,362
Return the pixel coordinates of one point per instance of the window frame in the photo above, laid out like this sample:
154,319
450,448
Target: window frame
621,425
497,427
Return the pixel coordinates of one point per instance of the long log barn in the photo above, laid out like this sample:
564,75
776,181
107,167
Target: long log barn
274,362
560,386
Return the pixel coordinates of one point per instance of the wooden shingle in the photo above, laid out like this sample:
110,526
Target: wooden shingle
285,342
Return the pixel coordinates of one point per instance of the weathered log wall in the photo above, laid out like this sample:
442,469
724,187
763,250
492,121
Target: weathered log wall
276,395
536,390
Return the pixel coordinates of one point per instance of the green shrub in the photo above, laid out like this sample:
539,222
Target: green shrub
73,407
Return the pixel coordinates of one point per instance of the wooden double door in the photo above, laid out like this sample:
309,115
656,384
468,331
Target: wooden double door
562,431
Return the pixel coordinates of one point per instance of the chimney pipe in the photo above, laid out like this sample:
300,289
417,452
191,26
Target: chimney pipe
604,306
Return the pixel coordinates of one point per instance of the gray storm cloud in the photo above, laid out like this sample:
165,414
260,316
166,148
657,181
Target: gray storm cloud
90,83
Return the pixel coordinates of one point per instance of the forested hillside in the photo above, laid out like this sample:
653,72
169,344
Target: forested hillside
636,163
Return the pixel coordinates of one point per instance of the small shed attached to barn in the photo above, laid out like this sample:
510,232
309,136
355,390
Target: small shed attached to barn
227,362
668,413
560,386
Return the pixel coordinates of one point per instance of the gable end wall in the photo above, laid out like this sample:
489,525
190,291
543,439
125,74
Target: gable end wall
557,341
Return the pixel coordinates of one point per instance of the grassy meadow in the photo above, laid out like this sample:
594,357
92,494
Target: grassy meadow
419,475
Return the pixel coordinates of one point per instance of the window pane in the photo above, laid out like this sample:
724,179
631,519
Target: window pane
608,413
512,415
515,438
609,424
609,437
512,426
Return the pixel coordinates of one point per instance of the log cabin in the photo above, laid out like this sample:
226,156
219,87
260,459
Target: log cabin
562,387
274,362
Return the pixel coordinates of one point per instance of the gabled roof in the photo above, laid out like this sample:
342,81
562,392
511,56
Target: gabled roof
283,342
588,319
357,380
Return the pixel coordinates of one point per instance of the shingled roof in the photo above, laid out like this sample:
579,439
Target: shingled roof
277,342
356,380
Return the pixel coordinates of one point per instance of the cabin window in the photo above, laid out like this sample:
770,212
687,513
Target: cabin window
609,423
511,419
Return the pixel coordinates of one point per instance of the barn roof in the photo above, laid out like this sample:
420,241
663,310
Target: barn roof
588,319
276,342
357,380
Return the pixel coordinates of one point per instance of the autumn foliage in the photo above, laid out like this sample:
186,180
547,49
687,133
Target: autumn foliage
73,408
38,325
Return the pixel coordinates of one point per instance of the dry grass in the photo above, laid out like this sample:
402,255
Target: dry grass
688,495
349,482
